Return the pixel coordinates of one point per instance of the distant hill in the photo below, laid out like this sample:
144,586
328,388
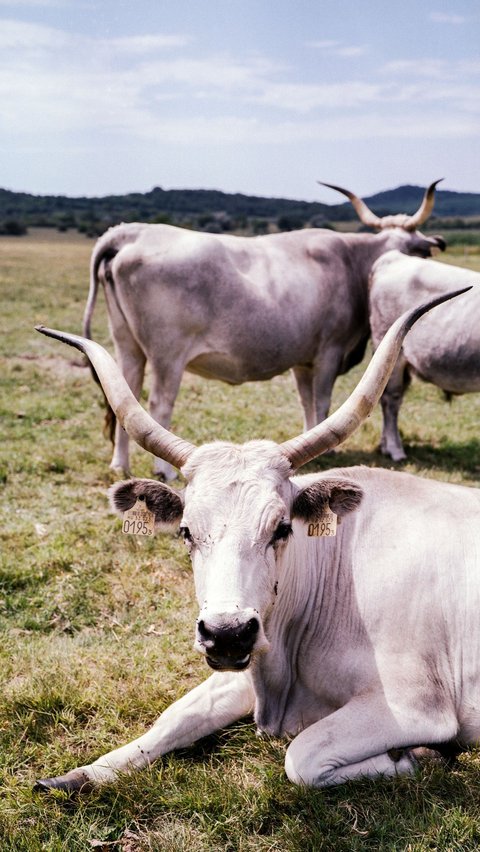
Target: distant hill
211,210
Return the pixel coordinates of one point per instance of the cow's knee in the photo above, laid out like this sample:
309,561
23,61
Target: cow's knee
303,768
316,770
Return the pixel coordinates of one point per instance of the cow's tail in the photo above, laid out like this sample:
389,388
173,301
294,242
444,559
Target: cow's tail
106,247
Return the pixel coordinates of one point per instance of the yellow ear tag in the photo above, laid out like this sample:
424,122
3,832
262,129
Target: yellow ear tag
325,526
138,520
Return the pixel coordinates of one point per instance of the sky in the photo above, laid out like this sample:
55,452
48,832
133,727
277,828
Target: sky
262,97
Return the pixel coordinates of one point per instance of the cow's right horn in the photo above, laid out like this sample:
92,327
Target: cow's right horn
361,402
424,210
138,424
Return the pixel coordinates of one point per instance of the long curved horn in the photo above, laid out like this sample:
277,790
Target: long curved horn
363,212
424,210
138,424
343,422
401,220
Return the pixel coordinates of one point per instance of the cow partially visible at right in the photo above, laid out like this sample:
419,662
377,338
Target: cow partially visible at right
443,348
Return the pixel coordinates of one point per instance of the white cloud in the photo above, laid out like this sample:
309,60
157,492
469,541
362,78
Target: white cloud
417,67
304,97
225,130
359,50
20,37
215,71
148,43
54,84
337,48
447,18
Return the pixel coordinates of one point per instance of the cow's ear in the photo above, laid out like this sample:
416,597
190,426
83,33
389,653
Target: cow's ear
165,503
341,495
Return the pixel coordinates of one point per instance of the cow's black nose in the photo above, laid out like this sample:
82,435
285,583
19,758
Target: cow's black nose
228,645
228,635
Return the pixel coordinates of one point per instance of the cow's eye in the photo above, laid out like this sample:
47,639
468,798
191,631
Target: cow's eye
282,532
185,533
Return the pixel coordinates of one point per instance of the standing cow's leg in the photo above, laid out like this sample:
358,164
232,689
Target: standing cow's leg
355,740
304,380
220,700
391,400
131,361
165,384
315,384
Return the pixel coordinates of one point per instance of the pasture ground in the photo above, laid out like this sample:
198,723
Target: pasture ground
97,628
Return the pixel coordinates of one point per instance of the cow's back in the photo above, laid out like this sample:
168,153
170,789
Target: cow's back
444,346
239,308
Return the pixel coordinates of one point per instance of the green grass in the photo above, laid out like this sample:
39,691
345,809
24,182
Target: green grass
97,628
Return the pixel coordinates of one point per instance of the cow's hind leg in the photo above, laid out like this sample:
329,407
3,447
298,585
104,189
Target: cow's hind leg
391,442
356,741
220,700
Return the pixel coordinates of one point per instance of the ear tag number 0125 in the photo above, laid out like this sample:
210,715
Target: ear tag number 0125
138,520
326,525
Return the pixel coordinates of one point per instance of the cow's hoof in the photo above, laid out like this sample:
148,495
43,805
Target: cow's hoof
396,455
119,470
74,782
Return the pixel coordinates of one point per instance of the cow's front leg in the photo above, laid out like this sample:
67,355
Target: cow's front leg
166,377
360,740
220,700
315,383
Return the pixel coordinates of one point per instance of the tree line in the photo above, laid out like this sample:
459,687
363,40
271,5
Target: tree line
219,212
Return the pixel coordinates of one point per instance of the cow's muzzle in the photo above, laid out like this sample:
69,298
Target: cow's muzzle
228,646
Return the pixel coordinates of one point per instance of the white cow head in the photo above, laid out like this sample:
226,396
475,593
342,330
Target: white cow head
237,508
235,517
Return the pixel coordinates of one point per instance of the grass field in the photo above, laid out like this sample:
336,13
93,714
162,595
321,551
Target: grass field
97,628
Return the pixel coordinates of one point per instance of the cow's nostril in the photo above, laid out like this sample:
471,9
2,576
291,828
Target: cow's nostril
207,636
241,635
250,629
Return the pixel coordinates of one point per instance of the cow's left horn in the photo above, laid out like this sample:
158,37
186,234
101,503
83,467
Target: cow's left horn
423,212
367,216
138,424
343,422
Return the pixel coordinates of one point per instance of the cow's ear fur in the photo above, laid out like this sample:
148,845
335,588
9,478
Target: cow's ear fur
164,502
341,495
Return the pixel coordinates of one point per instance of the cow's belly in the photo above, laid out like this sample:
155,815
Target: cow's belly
447,354
233,371
453,375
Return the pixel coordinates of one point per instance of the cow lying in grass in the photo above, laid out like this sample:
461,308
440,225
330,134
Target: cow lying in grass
340,608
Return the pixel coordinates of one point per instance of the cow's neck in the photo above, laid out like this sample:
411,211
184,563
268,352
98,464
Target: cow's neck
301,630
366,249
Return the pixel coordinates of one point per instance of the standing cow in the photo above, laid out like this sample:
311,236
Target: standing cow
444,348
241,309
308,633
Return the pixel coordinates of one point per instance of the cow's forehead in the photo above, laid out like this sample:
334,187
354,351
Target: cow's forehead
222,462
221,476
